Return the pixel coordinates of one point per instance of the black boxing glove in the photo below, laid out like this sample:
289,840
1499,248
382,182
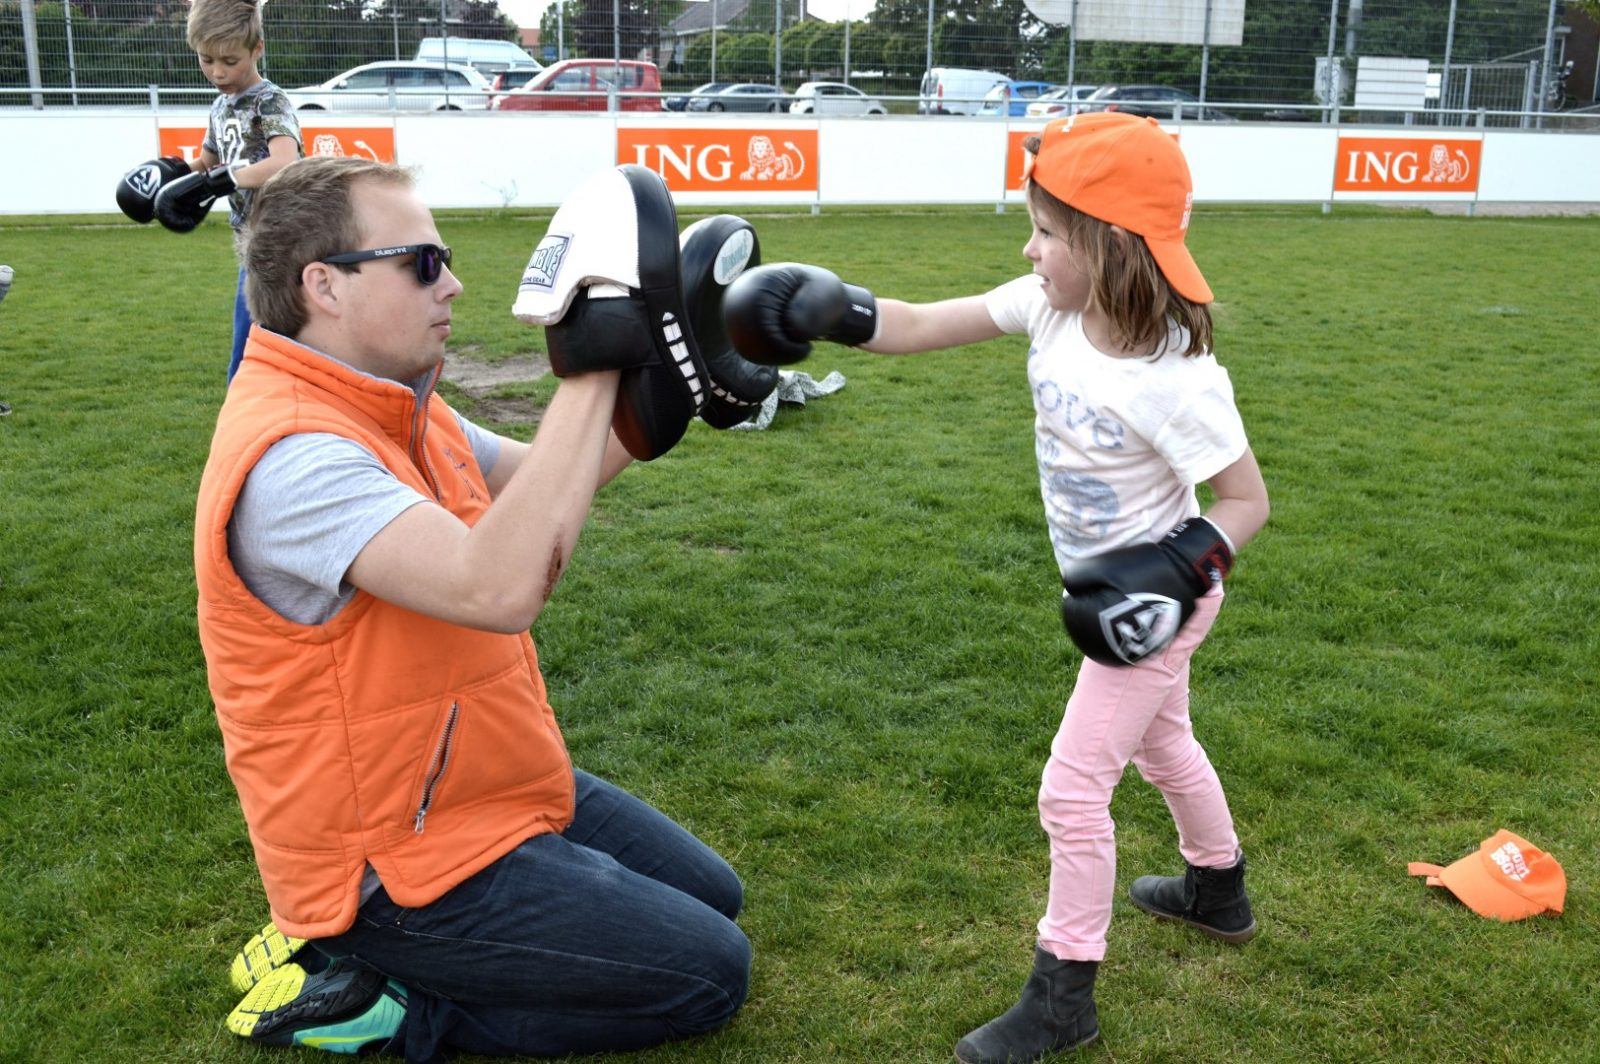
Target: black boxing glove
1122,606
183,204
772,313
136,191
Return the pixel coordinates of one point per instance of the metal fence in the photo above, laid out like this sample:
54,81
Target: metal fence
1489,61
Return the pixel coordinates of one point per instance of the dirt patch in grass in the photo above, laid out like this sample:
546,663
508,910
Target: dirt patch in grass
478,378
485,384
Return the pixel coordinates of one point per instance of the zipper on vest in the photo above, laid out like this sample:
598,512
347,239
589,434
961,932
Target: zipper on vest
419,429
437,767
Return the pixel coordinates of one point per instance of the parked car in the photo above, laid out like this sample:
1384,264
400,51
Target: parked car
1154,101
741,97
679,103
487,57
401,85
513,76
955,90
1011,98
586,85
834,98
1058,100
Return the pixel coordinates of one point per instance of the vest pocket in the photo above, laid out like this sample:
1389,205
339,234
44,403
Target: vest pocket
438,765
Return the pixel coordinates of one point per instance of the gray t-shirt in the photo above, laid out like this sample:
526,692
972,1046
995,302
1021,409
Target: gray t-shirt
308,507
239,129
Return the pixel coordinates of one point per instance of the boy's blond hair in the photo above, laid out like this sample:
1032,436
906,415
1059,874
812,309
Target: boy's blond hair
303,214
1124,280
214,22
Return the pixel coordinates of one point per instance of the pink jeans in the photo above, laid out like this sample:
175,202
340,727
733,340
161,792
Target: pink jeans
1114,716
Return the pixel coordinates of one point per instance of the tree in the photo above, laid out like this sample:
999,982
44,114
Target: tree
747,56
591,23
555,28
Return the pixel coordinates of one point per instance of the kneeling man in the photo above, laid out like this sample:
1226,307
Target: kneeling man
369,563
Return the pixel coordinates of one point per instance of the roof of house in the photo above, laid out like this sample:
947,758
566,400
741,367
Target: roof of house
696,17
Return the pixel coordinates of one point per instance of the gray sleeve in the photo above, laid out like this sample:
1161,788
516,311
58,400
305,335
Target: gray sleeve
485,444
307,508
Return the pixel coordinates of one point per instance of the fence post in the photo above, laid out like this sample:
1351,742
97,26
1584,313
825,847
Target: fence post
30,45
777,44
1466,97
1335,81
1544,63
930,37
1527,90
1444,73
72,59
713,45
155,97
1205,51
1072,55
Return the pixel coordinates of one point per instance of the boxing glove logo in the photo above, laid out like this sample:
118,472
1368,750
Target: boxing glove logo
546,262
1140,625
146,180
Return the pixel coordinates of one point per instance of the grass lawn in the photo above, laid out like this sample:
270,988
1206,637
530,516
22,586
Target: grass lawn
832,650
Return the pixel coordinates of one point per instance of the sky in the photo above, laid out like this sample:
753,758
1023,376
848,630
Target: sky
527,12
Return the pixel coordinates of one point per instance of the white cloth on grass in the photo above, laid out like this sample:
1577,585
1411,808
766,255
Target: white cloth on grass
793,387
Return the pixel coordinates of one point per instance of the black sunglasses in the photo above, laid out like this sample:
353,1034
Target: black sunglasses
431,259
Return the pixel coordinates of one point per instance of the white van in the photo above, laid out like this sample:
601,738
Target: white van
955,90
488,57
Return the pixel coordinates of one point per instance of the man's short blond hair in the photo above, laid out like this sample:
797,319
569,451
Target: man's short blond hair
303,214
219,22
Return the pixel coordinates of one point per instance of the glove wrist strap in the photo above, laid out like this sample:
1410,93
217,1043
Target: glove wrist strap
1203,549
860,322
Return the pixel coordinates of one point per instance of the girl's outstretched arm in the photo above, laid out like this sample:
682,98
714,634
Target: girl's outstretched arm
907,327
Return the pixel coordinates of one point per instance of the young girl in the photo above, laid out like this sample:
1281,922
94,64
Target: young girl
1132,412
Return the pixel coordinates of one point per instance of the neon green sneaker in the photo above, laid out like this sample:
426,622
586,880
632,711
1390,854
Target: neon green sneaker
345,1009
267,951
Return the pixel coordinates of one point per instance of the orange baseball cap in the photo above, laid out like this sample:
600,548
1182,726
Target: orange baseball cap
1127,171
1508,878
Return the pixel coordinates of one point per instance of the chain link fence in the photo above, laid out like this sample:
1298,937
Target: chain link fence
1247,59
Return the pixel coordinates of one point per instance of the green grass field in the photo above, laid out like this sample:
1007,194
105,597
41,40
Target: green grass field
832,650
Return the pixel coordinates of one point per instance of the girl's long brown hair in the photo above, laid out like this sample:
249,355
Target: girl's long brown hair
1124,280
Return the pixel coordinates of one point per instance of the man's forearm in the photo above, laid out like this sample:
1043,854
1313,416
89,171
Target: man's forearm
522,545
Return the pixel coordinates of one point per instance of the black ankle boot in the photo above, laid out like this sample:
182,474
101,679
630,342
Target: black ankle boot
1055,1013
1211,900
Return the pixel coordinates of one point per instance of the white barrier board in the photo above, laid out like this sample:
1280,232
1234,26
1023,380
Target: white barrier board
525,160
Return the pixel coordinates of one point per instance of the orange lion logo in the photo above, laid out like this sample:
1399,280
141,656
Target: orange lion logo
1441,167
766,164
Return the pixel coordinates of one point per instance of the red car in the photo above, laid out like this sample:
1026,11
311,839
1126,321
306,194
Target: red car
586,85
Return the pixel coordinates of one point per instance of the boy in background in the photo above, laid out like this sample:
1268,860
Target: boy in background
252,132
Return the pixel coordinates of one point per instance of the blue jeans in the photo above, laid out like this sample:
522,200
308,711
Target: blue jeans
616,934
241,326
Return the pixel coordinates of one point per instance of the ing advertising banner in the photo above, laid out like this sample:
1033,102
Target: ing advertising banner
1413,165
718,159
364,142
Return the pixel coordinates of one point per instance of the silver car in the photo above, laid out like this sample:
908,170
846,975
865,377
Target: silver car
834,98
398,85
741,97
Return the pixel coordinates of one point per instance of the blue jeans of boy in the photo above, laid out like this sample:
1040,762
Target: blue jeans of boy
241,326
614,935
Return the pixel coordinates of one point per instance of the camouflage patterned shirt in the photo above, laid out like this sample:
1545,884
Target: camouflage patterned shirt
239,129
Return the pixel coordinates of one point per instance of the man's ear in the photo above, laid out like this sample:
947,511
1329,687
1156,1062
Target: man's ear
323,289
258,51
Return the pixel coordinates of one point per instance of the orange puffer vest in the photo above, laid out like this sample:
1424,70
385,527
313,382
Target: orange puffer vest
382,736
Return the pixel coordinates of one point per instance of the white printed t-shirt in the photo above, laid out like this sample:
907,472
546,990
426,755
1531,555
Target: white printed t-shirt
1121,442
